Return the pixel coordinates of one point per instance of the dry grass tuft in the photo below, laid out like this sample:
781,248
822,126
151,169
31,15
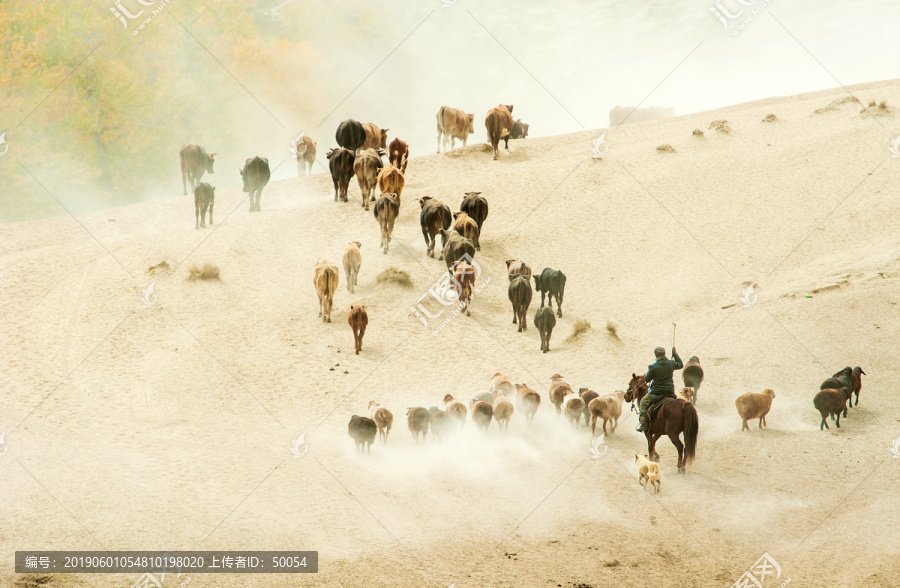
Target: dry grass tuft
393,275
721,126
770,118
666,148
580,327
697,133
612,330
209,271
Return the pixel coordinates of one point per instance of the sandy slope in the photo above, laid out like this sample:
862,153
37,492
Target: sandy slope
174,428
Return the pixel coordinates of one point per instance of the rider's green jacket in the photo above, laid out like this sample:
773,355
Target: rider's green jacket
659,376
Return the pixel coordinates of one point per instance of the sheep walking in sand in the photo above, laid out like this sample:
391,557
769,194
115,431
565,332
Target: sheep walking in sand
648,471
418,419
558,391
501,384
528,401
383,418
607,407
503,410
456,409
482,413
441,423
574,406
754,405
831,402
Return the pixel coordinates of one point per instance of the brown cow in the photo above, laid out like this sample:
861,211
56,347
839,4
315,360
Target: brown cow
398,154
476,207
520,296
358,320
325,279
517,267
304,151
466,226
391,181
453,124
386,209
464,276
367,166
435,216
499,124
340,164
195,161
351,261
376,138
455,247
204,198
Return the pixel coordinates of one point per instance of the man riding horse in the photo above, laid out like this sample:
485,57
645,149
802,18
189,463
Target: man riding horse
659,377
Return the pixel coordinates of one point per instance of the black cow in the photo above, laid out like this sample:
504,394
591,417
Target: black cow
552,283
350,135
519,130
455,246
435,216
477,208
340,164
544,321
204,198
256,175
520,296
195,161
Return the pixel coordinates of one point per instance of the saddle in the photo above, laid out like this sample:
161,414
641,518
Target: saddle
654,408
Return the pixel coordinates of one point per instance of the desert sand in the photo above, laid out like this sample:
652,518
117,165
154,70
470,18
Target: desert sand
169,426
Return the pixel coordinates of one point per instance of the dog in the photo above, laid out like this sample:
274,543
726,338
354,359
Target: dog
648,470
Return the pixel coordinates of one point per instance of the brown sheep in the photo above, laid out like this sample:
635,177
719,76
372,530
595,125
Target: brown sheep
831,402
528,401
686,394
501,384
441,423
482,413
503,411
363,431
754,405
574,406
558,391
587,395
417,419
607,407
383,419
456,409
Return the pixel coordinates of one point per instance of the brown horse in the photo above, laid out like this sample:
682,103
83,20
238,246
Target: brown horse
673,418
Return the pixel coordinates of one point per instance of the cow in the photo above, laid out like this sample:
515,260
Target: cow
340,164
519,130
358,320
517,267
366,166
398,153
391,181
376,138
204,198
256,175
455,247
464,276
499,125
350,135
435,216
552,283
386,209
466,226
325,279
544,321
520,296
475,206
195,161
351,260
453,124
304,151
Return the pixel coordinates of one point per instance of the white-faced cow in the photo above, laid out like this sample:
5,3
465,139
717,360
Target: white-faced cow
499,124
386,209
453,124
376,137
367,166
398,153
304,151
435,216
340,164
195,161
204,199
256,175
476,207
551,282
350,135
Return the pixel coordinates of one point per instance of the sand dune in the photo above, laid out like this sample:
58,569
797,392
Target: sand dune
170,426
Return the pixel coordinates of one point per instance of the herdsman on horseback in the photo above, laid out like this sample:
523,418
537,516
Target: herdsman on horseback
659,377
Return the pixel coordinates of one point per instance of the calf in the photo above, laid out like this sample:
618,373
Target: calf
340,164
754,405
552,283
520,296
435,216
304,151
519,131
453,124
255,175
367,166
398,154
376,137
544,321
464,276
455,248
358,320
325,279
476,207
363,431
831,402
386,209
499,124
466,226
515,267
204,198
350,135
391,181
351,260
195,161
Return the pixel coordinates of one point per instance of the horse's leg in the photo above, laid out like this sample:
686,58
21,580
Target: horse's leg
651,446
676,441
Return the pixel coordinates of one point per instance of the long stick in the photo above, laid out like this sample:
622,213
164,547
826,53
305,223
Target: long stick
673,335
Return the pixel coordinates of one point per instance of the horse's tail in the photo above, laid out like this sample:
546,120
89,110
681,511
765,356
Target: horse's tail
691,427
